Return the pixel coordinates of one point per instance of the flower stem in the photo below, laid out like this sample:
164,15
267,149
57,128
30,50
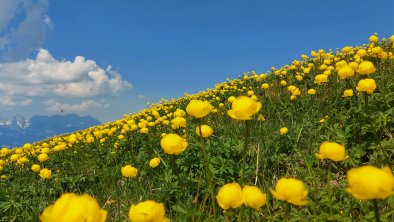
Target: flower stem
329,188
208,171
244,152
376,208
366,103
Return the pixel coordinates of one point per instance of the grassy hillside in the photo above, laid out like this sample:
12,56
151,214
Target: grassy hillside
320,98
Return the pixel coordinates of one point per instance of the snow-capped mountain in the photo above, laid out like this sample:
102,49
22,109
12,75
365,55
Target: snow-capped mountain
16,122
18,130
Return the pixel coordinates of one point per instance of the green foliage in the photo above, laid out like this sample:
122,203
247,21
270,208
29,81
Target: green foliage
363,123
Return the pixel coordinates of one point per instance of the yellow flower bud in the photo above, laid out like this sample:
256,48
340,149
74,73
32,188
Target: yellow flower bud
369,182
198,108
206,130
230,196
348,93
45,173
147,211
373,38
283,130
332,151
366,67
173,144
129,171
35,168
253,197
366,85
290,190
265,86
178,122
243,108
345,71
71,207
321,78
153,163
311,91
43,157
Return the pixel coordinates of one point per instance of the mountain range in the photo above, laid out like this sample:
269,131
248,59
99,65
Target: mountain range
18,130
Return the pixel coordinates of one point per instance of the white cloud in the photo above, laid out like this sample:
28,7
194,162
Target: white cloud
26,102
9,101
28,35
7,11
55,106
141,97
46,76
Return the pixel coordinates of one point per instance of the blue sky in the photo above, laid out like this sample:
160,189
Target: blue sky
55,54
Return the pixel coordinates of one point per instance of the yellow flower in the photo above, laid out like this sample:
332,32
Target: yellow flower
253,197
283,83
348,93
71,207
345,71
265,86
154,162
178,122
45,173
147,211
4,151
173,144
144,130
198,108
373,38
27,146
22,161
35,168
362,52
353,65
332,151
311,91
206,130
129,171
366,67
231,99
369,182
261,117
290,190
366,85
291,88
392,38
243,108
230,196
43,157
283,130
14,157
321,78
179,113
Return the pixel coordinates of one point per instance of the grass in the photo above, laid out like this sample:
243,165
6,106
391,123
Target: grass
89,161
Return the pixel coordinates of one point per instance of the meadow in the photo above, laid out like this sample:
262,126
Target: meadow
310,141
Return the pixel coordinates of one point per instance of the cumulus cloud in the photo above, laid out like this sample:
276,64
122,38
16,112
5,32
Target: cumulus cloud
55,106
46,76
18,40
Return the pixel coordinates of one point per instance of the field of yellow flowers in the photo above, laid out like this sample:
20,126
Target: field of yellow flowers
310,141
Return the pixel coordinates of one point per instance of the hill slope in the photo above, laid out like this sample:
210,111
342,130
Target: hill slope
315,120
